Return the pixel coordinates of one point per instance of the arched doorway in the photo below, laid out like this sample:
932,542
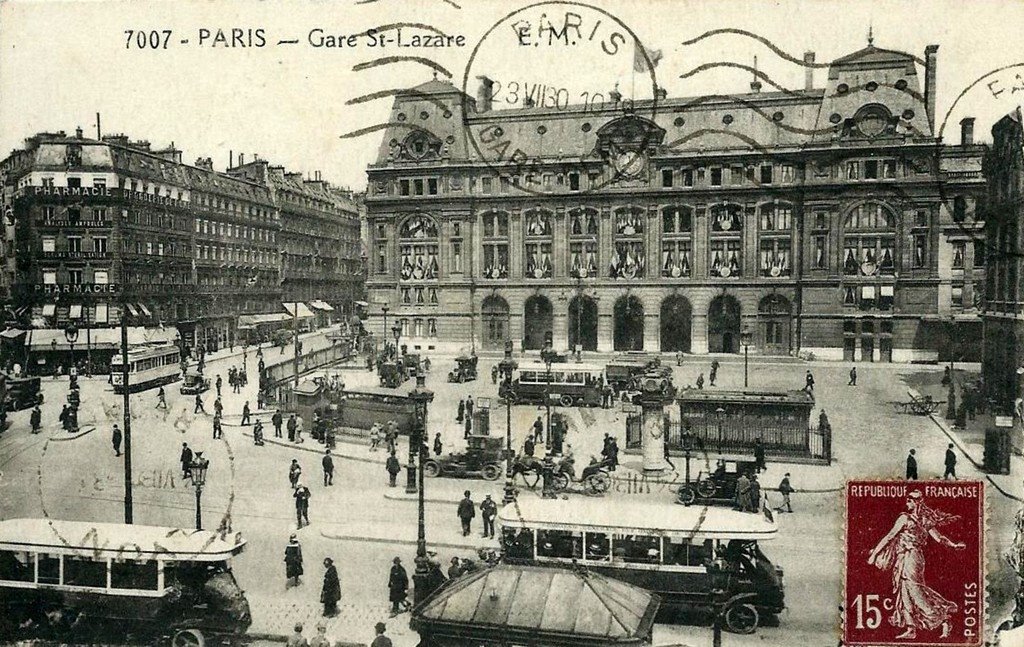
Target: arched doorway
538,316
724,325
629,323
583,322
775,324
676,317
494,316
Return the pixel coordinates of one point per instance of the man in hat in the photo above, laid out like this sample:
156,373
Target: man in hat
381,640
36,419
245,414
277,419
186,461
294,471
393,467
116,440
301,495
466,512
462,411
488,511
398,587
199,408
911,466
293,561
785,489
328,464
331,591
950,471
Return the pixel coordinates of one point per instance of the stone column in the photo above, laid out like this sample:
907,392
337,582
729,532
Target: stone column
652,402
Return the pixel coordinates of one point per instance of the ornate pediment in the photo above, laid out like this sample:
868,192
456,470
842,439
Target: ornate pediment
630,133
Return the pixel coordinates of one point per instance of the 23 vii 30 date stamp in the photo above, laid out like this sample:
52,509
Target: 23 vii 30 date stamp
914,563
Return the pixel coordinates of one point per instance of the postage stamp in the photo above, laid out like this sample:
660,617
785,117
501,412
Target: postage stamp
914,563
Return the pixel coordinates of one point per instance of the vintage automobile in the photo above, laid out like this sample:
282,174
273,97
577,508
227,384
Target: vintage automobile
194,383
465,369
622,372
719,485
22,393
411,364
484,457
391,374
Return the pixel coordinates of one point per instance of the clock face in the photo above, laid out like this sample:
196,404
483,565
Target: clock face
629,163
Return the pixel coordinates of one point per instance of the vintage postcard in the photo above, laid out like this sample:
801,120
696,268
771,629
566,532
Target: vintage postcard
442,323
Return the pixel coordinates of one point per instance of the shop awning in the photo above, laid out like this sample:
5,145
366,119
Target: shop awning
362,304
75,311
145,310
322,305
251,321
304,311
12,333
49,309
132,309
99,338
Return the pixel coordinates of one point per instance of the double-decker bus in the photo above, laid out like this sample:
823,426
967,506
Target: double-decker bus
149,365
569,384
91,582
704,558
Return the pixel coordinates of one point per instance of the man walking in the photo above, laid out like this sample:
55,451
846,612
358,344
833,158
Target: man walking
785,489
469,426
853,377
161,399
328,464
809,382
293,563
186,461
538,430
462,411
218,407
219,383
116,440
713,375
292,425
488,511
466,512
294,472
36,419
277,419
301,495
398,587
199,404
469,407
245,414
742,492
438,445
331,591
950,464
393,467
218,431
911,466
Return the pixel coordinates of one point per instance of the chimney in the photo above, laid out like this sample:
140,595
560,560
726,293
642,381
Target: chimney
205,163
808,70
931,52
967,131
661,93
78,132
241,159
484,94
755,84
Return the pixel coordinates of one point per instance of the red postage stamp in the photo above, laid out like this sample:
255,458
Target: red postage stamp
914,563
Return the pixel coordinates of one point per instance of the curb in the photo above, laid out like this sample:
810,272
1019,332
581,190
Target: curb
955,439
317,448
82,431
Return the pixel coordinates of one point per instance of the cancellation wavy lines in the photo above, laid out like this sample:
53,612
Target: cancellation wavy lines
401,25
776,49
378,127
450,3
382,94
388,60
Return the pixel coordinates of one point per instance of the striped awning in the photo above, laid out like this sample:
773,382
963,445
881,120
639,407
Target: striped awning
75,311
322,305
304,311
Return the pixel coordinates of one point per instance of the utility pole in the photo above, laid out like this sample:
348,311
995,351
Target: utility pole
295,340
127,414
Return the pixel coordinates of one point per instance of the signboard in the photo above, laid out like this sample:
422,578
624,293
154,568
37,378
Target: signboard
1004,421
102,192
55,289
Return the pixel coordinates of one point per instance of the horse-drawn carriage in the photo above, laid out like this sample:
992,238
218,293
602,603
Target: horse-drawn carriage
465,369
485,457
921,405
391,374
718,486
595,478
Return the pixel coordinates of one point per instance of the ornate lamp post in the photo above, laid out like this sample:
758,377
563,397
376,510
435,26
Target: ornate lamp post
745,340
507,367
547,354
396,330
422,396
198,469
71,334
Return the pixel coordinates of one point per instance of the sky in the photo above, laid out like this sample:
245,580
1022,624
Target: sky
62,62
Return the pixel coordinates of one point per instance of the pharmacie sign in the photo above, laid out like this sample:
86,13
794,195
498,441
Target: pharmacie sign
75,288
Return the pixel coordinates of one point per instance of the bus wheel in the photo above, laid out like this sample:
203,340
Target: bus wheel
706,488
686,495
599,483
565,401
431,469
188,638
491,472
742,618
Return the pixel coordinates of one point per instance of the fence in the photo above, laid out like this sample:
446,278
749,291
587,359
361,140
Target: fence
279,375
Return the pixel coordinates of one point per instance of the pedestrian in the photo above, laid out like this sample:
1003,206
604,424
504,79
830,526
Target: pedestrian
246,414
911,466
454,569
294,472
116,440
438,445
809,382
218,430
742,492
320,640
220,383
700,381
488,511
291,427
381,640
398,587
259,399
961,413
969,399
293,562
199,408
613,454
785,489
186,461
755,494
328,464
823,423
469,407
466,512
277,419
462,411
679,358
161,399
393,467
469,426
529,446
494,374
297,639
759,463
257,434
853,377
374,437
301,495
298,430
713,375
946,376
218,407
950,463
36,419
331,591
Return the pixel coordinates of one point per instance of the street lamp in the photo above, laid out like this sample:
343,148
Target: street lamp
71,334
197,469
422,396
745,340
547,354
396,330
507,368
384,335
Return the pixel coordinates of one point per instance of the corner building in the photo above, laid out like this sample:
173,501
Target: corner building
826,220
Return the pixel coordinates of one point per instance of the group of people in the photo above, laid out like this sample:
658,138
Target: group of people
330,593
387,433
467,512
465,414
949,465
712,375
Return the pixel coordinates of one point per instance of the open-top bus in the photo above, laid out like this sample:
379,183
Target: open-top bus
684,554
61,579
149,365
570,384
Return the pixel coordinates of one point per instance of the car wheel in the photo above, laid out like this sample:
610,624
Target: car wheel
742,618
491,472
686,495
431,469
565,400
706,488
188,638
599,483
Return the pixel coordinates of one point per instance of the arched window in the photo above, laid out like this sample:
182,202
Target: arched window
676,241
583,235
726,246
869,240
495,241
775,223
539,239
629,258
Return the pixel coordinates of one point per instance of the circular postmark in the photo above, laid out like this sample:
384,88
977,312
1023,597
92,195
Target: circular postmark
542,124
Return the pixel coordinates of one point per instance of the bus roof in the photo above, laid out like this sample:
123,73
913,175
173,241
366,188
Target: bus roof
674,521
564,367
119,540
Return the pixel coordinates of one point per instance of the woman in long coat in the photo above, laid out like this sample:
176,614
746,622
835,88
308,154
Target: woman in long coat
331,592
398,586
292,561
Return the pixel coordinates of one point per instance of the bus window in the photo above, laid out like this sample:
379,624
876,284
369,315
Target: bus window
127,574
16,566
49,569
638,549
82,571
598,547
518,543
559,543
681,552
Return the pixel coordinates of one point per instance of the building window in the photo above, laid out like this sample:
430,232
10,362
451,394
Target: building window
766,174
50,277
574,181
666,177
920,250
99,244
853,170
75,182
456,266
100,277
583,222
736,175
979,253
921,218
48,213
775,257
583,259
776,217
820,253
869,241
432,327
495,224
726,218
406,295
716,177
676,258
787,174
49,244
628,260
676,220
382,258
871,170
958,254
48,182
496,260
486,185
432,186
417,186
75,244
403,187
538,260
686,175
99,213
726,258
101,314
959,209
957,296
432,295
75,277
